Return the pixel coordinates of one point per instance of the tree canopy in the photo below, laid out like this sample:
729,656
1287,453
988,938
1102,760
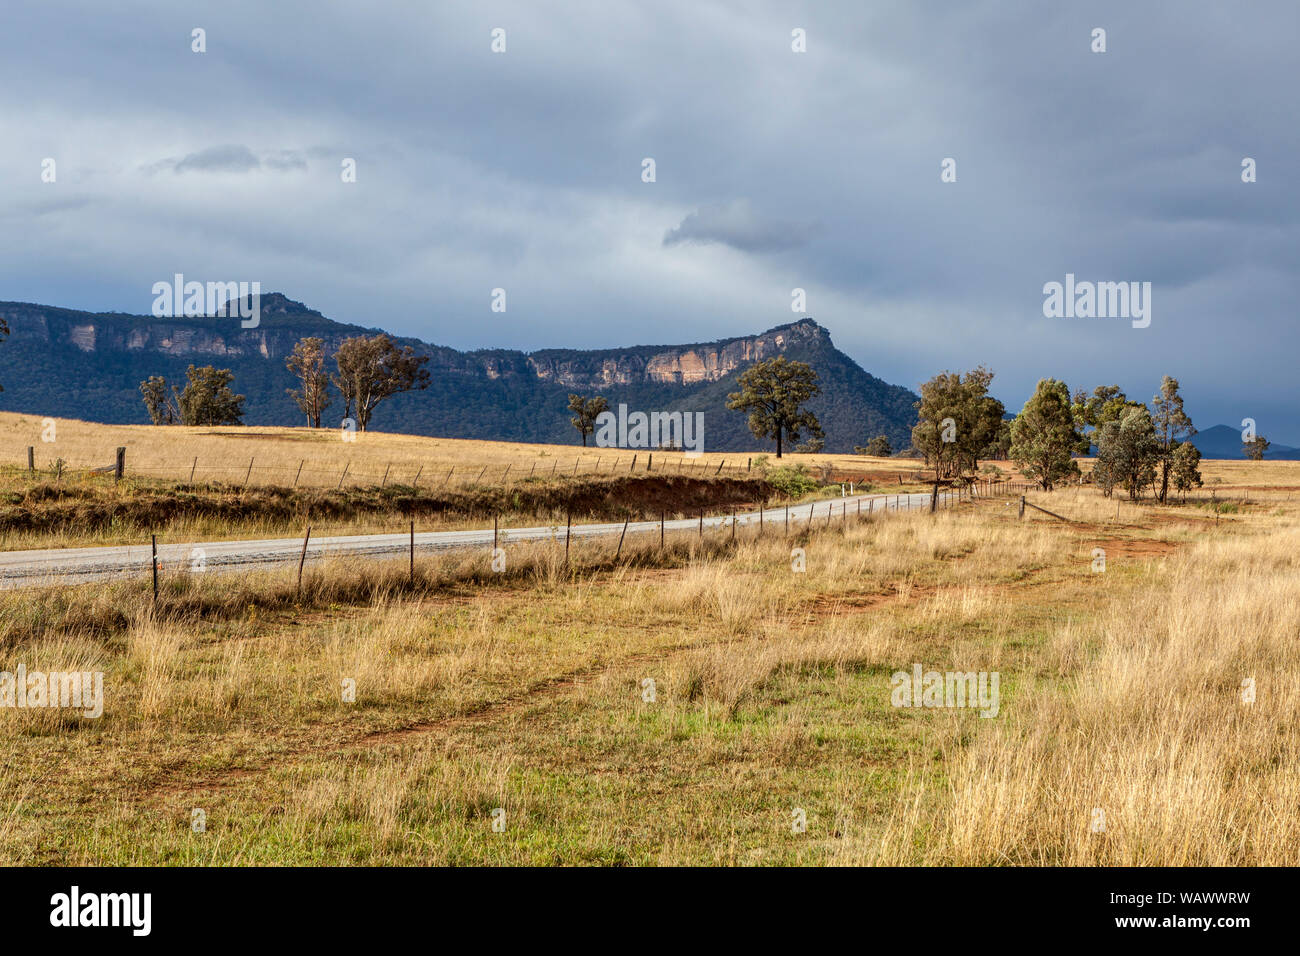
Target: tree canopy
773,392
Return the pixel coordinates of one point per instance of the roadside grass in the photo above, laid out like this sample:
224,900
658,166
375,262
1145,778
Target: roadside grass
524,691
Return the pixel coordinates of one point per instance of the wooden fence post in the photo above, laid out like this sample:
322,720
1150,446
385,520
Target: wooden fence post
346,465
626,519
411,578
194,467
295,477
568,533
1022,506
31,458
302,558
155,569
249,473
661,531
120,469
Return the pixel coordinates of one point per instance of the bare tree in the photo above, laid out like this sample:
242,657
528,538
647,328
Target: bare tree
308,364
159,401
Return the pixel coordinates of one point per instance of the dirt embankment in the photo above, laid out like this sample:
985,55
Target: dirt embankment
49,507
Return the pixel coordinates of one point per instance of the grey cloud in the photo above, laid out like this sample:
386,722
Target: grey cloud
234,158
219,159
522,170
736,224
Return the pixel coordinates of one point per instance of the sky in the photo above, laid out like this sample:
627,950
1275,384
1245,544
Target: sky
775,169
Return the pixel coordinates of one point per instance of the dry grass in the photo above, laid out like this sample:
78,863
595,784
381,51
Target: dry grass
525,692
276,455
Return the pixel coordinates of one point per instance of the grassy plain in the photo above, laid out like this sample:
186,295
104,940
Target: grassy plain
525,691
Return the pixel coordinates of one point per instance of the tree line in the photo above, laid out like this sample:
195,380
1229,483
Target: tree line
959,424
369,369
1138,448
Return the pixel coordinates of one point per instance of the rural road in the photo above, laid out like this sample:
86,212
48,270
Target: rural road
65,566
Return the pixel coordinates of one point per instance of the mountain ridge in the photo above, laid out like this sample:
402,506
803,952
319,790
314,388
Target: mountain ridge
74,363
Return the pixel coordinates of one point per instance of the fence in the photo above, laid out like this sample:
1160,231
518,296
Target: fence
786,519
352,470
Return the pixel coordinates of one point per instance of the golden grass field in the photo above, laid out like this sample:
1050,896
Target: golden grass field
318,457
523,692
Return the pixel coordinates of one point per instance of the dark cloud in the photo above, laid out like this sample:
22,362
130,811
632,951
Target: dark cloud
736,224
219,159
232,159
521,170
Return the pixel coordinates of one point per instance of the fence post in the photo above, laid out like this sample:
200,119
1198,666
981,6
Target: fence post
194,467
733,525
295,477
568,533
701,524
302,558
120,470
661,531
494,532
155,569
385,479
415,482
649,461
626,519
346,465
249,473
412,575
787,520
1022,506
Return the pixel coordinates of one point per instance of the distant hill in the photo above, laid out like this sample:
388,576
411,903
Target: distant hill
87,365
1224,441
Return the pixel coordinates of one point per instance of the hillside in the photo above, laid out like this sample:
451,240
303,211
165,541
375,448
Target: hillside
1224,441
71,364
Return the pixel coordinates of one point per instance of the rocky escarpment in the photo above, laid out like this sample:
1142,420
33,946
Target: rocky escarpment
65,363
283,322
680,365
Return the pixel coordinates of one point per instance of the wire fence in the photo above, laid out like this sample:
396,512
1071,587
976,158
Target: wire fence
348,469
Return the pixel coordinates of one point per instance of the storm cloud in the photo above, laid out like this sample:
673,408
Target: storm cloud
775,169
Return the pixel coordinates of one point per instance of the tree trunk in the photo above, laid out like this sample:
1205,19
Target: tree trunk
779,431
